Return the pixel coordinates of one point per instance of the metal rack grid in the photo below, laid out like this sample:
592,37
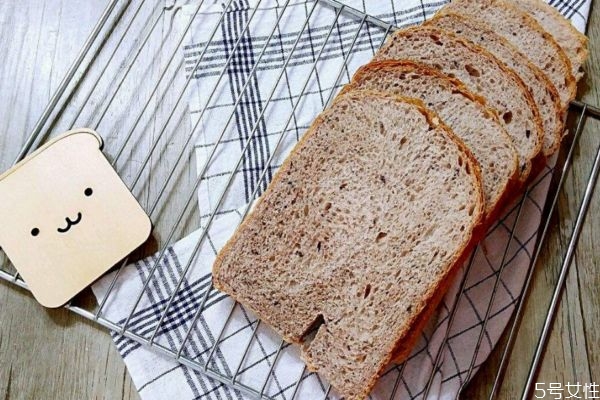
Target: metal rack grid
85,92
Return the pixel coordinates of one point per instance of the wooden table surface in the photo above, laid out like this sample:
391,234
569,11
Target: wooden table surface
54,354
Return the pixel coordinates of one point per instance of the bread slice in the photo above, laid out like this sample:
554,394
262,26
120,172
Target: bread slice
523,31
483,74
543,91
359,228
573,42
475,124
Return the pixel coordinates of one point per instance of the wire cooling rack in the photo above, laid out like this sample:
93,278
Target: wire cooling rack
109,88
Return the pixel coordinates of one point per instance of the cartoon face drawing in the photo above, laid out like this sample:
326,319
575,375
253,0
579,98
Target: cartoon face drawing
66,217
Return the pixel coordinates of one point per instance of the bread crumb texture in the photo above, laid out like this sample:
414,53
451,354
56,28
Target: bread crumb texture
357,230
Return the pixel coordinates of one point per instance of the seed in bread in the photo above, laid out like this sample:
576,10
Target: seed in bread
359,228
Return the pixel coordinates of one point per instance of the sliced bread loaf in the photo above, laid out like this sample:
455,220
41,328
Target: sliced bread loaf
573,42
523,31
483,74
364,222
475,124
543,91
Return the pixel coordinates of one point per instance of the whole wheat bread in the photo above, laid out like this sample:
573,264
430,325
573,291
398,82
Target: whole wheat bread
465,113
523,31
573,42
365,220
543,91
483,74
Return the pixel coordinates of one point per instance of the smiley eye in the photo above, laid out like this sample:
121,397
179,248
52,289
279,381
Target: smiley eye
88,192
35,232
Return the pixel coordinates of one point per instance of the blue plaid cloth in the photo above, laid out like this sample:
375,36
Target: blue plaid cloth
258,111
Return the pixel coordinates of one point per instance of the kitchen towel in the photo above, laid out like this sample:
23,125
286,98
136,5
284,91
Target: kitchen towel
244,99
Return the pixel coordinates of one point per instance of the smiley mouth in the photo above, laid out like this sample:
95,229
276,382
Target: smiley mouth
70,223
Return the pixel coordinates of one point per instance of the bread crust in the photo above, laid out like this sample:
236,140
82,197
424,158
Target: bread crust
570,81
569,78
409,341
559,111
564,24
434,294
537,148
412,66
433,121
